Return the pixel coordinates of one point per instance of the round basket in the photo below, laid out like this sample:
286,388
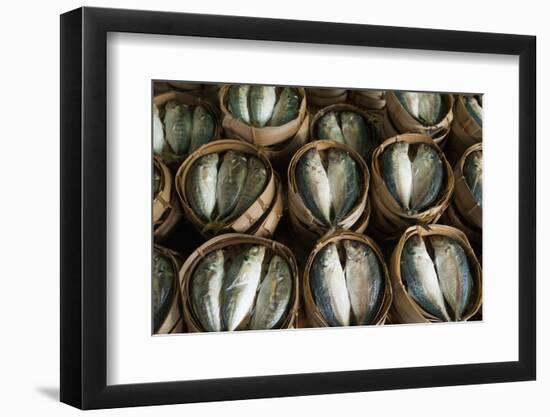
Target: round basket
397,120
315,318
404,309
171,159
261,218
321,97
463,197
166,207
389,219
465,132
301,215
173,320
373,120
452,217
224,242
368,99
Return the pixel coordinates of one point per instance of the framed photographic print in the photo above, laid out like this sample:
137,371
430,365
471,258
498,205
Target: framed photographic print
257,208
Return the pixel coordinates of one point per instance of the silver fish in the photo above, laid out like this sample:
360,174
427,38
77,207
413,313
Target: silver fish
231,178
364,281
427,108
238,102
177,126
286,108
313,185
343,179
473,173
474,109
274,295
421,278
261,102
206,289
328,284
163,287
201,186
158,132
203,128
256,180
328,128
357,133
453,271
240,286
427,170
397,173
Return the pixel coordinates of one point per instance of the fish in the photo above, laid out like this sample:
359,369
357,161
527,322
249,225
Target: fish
357,134
397,173
238,102
286,108
273,296
453,271
256,180
473,106
163,288
328,128
344,184
328,284
421,279
157,179
231,178
203,128
158,132
427,108
473,174
427,175
240,286
206,287
364,281
261,102
202,184
177,126
313,185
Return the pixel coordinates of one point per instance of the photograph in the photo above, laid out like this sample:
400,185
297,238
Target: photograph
294,207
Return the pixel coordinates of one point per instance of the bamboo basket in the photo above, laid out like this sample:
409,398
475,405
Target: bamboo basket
173,321
170,158
373,120
300,215
389,219
368,99
166,207
463,197
224,242
397,120
321,97
404,309
465,132
261,136
452,217
261,218
315,318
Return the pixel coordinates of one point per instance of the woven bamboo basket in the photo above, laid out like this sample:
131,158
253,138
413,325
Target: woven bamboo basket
463,197
168,157
225,242
465,132
389,219
374,121
298,211
368,99
452,217
315,318
404,309
261,218
397,120
173,320
166,207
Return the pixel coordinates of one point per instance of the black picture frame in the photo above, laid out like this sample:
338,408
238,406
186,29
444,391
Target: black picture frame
84,207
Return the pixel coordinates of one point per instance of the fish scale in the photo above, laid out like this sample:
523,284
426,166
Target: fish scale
231,178
163,287
428,174
261,102
473,173
177,126
343,180
256,180
202,184
286,108
313,185
203,128
427,108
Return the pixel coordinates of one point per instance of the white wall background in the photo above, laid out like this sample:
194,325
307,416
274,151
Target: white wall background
29,217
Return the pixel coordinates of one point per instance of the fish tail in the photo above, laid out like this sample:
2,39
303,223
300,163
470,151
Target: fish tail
213,227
